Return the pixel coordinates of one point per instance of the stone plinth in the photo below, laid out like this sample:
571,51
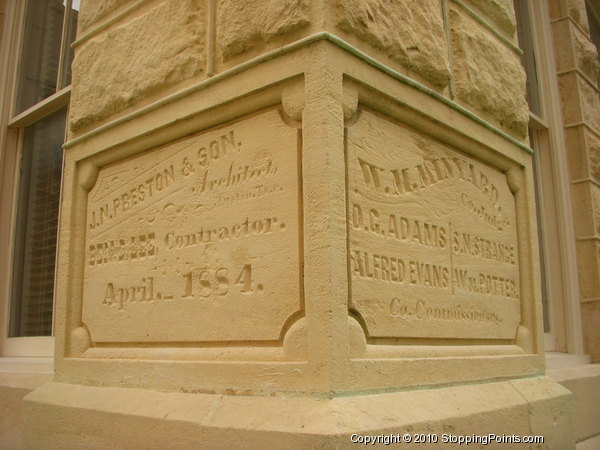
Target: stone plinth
307,244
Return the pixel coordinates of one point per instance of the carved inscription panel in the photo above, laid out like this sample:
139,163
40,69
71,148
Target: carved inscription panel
432,237
197,240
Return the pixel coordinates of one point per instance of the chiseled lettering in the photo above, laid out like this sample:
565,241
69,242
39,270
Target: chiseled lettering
120,295
485,283
241,230
494,218
122,249
132,197
422,311
428,275
477,246
237,175
249,193
218,148
396,181
377,267
397,227
116,295
393,269
371,175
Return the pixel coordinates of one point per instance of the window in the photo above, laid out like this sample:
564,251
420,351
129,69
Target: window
593,14
560,292
34,95
36,227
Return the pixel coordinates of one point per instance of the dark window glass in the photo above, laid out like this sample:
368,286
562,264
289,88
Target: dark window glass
70,31
37,224
542,247
528,59
594,22
40,72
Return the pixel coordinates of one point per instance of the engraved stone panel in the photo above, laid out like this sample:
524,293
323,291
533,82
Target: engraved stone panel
432,237
198,240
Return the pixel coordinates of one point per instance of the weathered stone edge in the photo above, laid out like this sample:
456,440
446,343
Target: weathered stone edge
96,28
488,26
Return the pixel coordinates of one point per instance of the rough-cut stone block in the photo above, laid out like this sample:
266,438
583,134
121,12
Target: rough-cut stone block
580,100
596,208
593,145
488,75
573,49
588,261
586,55
569,96
409,31
583,204
244,24
563,51
583,152
501,12
590,317
590,104
572,8
576,153
114,70
92,11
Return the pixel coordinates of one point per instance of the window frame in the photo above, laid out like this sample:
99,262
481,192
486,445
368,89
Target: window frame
560,258
12,131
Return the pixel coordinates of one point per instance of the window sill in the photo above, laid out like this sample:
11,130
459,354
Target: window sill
28,365
557,360
563,367
35,347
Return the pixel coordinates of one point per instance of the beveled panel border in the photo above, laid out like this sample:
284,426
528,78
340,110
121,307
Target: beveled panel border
515,165
85,168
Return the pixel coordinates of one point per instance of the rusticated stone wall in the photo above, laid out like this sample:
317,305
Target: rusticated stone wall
483,64
577,69
128,62
130,54
411,33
